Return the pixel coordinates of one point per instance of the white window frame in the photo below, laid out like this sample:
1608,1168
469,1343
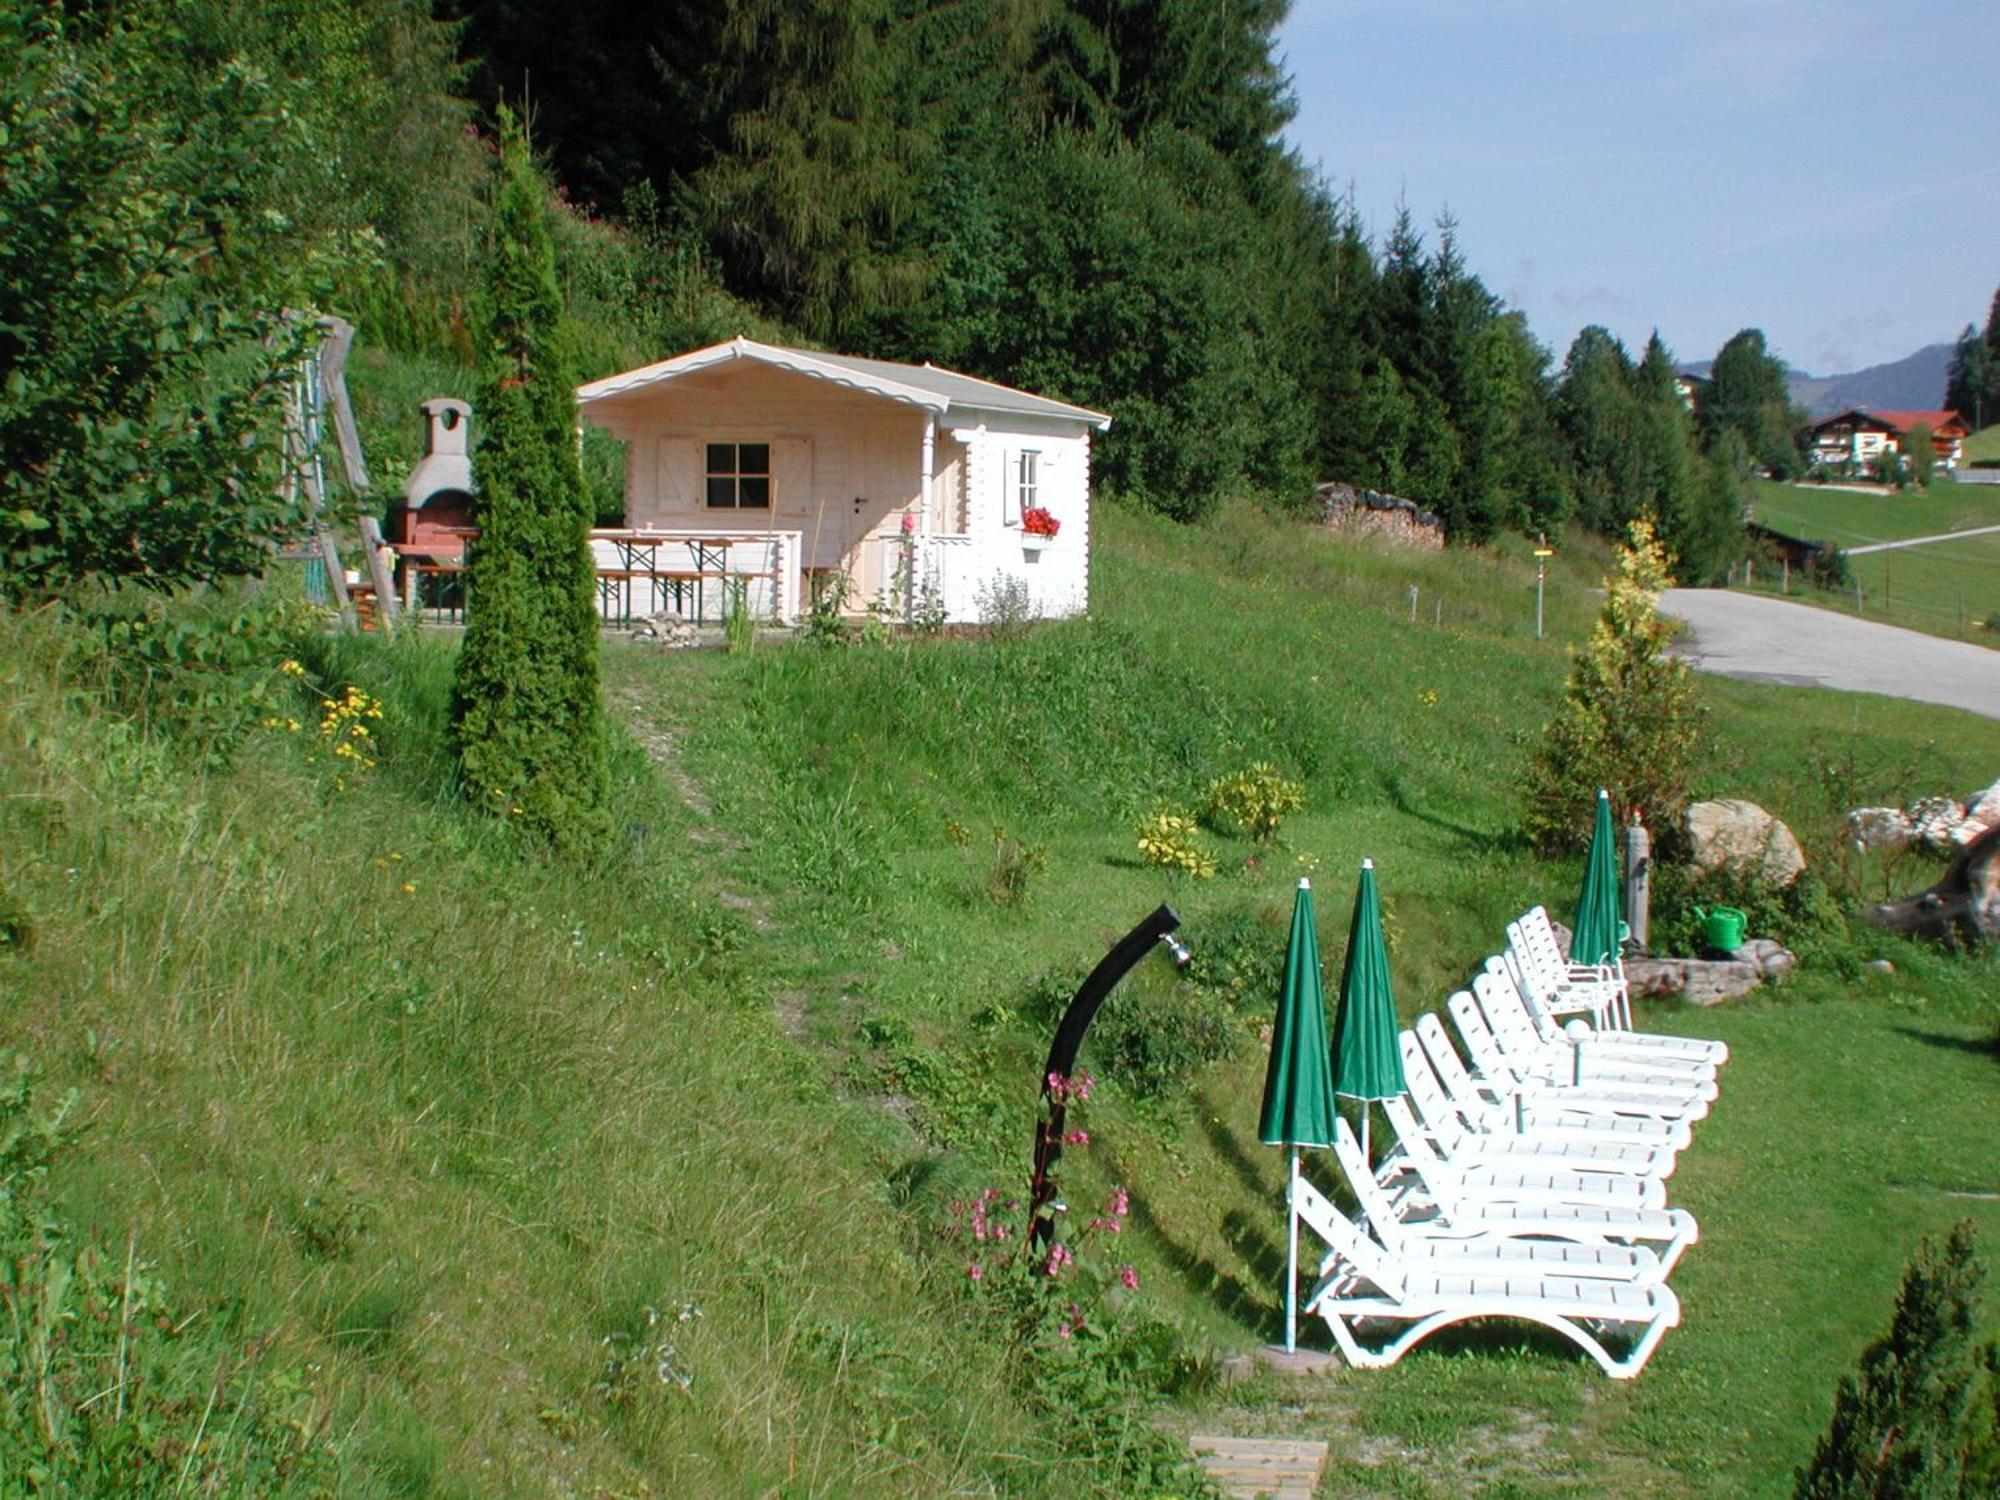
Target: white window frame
1027,481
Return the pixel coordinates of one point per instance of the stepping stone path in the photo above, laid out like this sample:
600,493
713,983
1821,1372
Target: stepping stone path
1244,1468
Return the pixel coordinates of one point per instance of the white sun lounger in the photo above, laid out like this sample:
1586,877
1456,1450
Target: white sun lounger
1568,987
1591,1059
1534,961
1417,1173
1458,1142
1491,1062
1366,1286
1406,1228
1499,1105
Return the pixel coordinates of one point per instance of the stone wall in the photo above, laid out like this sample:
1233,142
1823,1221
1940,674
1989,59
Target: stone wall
1355,511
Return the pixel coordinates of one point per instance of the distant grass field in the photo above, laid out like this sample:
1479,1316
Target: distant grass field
1984,444
502,1149
1943,588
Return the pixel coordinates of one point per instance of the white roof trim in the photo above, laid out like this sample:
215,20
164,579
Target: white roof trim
837,371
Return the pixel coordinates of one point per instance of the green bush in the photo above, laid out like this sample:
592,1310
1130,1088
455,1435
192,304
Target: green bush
1151,1042
1256,801
1805,916
203,667
1628,721
144,264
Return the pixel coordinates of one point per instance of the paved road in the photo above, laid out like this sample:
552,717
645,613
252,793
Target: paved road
1920,541
1770,640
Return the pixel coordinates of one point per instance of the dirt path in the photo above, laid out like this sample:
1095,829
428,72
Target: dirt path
1761,639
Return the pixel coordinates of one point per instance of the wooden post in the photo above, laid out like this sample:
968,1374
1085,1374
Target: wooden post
333,378
378,567
1785,576
1638,879
1413,604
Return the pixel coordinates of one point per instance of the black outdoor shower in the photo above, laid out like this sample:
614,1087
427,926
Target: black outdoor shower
1158,927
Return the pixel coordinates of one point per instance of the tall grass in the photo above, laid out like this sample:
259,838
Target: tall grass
449,1118
626,1177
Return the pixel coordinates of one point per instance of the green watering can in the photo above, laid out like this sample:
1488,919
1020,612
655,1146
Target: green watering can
1722,927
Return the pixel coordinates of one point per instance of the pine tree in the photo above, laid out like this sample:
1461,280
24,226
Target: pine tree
1628,720
1972,388
1901,1428
1748,394
527,723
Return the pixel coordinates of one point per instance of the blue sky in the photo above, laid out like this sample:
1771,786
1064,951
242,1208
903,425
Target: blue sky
1826,170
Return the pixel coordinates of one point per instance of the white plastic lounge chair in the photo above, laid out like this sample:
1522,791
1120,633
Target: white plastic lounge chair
1535,963
1366,1285
1490,1062
1457,1141
1591,1059
1409,1228
1498,1105
1569,987
1416,1173
1674,1054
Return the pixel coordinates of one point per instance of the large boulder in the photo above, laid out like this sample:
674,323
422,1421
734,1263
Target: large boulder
1942,825
1740,836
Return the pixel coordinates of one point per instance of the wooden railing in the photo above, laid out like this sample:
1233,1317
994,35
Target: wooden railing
640,574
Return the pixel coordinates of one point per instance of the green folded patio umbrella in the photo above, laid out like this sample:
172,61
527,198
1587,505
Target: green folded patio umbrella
1298,1084
1367,1064
1598,901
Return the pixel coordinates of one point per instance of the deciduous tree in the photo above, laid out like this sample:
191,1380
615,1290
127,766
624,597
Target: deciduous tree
144,266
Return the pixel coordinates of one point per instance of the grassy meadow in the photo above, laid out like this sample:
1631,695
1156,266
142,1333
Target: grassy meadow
631,1179
1941,588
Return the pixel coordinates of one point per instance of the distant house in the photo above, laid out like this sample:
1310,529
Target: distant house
1858,437
917,486
1690,388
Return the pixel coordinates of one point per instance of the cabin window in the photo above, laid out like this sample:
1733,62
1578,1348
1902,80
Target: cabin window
1027,482
739,476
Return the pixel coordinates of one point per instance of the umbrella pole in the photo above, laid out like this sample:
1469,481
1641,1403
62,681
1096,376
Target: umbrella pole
1292,1260
1366,1115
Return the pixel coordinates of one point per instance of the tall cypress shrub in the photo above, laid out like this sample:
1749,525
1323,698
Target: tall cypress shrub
527,721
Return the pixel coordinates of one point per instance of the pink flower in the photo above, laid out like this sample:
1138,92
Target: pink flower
1059,1258
975,1271
1129,1277
1119,1203
909,524
1077,1138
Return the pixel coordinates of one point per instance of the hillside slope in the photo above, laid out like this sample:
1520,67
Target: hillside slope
636,1179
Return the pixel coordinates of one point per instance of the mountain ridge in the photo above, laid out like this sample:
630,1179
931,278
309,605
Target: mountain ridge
1915,382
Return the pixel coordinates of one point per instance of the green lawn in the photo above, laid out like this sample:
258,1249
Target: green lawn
451,1120
1942,588
1983,444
